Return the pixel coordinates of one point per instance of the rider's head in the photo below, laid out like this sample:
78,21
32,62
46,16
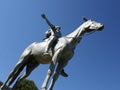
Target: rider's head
57,27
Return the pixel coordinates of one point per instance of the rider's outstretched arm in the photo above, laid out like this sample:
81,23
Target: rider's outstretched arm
48,22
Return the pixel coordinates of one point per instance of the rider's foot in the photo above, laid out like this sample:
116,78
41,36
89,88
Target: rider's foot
64,74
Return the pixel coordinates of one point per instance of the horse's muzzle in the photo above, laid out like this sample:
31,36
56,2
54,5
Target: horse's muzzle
101,28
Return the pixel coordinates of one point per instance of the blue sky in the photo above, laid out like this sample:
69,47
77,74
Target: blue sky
96,63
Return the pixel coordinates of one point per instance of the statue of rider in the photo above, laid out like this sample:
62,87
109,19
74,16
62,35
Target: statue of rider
52,35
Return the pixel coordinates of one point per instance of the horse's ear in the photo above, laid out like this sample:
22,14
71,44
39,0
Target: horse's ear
85,19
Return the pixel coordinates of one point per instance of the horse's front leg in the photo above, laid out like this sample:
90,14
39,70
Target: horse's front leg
55,58
57,74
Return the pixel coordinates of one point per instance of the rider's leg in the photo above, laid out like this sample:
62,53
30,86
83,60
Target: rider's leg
50,42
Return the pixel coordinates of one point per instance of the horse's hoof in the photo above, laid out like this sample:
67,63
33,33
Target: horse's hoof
1,88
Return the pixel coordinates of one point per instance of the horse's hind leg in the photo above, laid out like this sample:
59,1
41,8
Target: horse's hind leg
30,66
22,61
15,75
12,75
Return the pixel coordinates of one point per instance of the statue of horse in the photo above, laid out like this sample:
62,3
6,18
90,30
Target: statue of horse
33,55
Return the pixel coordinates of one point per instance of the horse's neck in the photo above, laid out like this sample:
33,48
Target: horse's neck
75,37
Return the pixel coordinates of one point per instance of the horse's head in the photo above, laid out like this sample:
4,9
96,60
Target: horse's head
91,25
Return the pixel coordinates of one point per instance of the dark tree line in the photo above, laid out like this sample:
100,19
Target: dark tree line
25,85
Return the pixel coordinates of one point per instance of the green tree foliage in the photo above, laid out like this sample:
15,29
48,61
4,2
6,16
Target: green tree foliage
25,85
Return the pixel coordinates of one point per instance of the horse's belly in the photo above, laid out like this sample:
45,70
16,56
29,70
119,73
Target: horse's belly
38,52
67,54
43,59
